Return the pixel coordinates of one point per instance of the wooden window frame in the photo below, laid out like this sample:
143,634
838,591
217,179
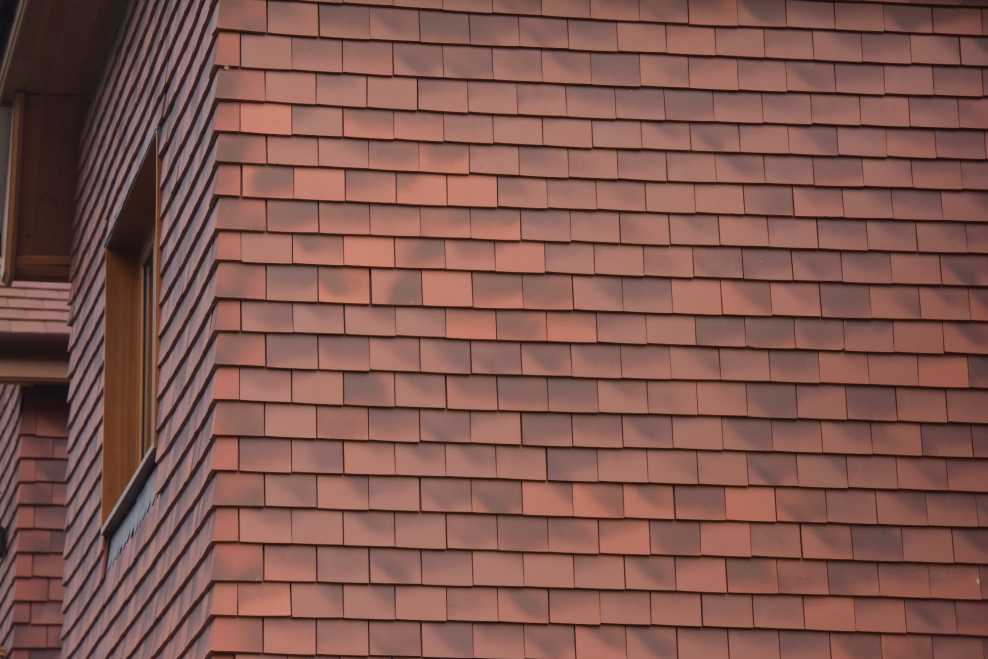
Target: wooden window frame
131,324
11,181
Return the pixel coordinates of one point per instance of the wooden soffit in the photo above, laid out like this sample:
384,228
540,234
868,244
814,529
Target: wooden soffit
58,47
36,369
54,59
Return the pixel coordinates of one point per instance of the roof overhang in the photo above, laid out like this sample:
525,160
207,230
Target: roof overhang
58,48
53,61
34,334
37,364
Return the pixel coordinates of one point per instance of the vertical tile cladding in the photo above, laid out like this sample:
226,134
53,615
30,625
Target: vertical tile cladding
601,328
32,511
10,428
152,600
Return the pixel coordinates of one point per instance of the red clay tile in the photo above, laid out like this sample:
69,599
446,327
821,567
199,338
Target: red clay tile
523,374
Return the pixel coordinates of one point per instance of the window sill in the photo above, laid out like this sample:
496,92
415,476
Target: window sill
133,493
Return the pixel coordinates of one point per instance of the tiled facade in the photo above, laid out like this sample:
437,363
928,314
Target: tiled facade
642,329
33,309
32,514
152,601
602,329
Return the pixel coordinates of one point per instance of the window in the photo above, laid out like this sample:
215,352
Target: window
11,120
131,323
8,148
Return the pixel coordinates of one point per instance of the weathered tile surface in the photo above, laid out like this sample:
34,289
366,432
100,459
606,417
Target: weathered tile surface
559,328
32,514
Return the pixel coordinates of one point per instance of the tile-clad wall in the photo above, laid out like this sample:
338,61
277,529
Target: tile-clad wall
9,433
34,308
32,512
602,328
151,600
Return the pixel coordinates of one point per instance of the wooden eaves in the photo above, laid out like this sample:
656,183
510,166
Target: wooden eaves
52,63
